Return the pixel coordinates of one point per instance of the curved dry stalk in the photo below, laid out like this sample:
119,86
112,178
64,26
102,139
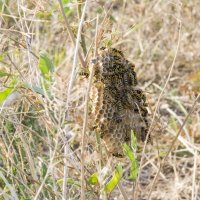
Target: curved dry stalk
76,53
83,43
122,191
71,35
86,118
172,145
158,103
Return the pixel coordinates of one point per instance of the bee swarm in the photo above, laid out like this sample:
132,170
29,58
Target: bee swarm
118,106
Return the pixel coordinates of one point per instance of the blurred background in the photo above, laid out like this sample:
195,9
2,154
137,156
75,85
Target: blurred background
39,142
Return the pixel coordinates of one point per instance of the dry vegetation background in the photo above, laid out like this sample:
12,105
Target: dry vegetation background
39,140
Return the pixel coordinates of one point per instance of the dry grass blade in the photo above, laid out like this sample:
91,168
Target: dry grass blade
13,193
158,103
121,189
86,118
194,186
47,149
76,52
74,66
172,145
71,35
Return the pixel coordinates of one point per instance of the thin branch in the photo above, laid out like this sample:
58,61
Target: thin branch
64,187
86,119
121,189
12,191
76,53
24,47
158,103
194,186
15,66
83,43
71,35
172,145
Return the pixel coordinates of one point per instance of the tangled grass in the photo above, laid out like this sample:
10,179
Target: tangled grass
46,151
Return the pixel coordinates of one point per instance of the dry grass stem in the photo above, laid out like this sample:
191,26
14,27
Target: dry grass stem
71,35
158,101
172,144
85,122
52,138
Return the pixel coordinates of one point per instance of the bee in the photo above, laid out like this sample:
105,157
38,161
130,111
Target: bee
119,155
144,112
132,78
127,101
119,83
83,72
119,106
117,117
126,79
144,132
118,52
139,96
117,59
127,137
102,48
107,95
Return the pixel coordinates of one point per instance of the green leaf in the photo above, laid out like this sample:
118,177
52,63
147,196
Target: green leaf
173,123
37,90
115,179
70,181
34,88
2,73
67,9
5,93
3,55
93,180
45,15
134,164
45,65
107,42
59,181
44,170
133,140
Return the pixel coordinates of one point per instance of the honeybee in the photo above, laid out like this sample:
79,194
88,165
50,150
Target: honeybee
127,136
144,132
126,79
117,117
118,52
83,72
102,48
132,78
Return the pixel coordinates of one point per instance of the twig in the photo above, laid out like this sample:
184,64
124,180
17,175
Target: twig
16,31
13,193
71,35
194,187
121,189
64,187
86,119
76,52
83,44
158,103
15,66
24,47
49,168
172,145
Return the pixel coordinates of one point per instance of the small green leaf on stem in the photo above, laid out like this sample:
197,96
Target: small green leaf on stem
134,164
117,175
93,180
